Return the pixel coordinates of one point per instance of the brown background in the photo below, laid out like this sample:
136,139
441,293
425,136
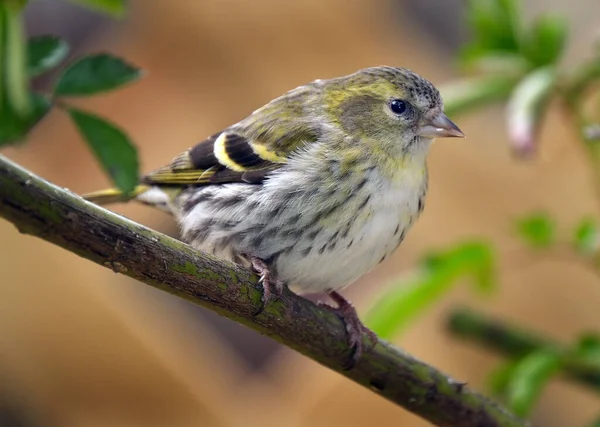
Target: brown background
81,346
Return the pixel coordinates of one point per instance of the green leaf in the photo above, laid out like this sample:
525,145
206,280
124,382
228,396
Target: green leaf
546,41
16,84
94,74
499,378
15,4
587,350
585,76
45,53
586,238
589,341
115,8
438,273
13,128
112,148
595,423
467,94
3,58
497,63
495,23
528,378
527,106
538,230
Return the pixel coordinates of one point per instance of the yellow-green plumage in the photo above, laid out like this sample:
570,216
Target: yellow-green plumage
321,183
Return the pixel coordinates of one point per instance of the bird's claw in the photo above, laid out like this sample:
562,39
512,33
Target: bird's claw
354,327
272,288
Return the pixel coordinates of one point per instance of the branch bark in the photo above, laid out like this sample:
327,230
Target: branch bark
41,209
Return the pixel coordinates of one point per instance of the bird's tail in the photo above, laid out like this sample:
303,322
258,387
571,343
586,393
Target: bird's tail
163,198
113,195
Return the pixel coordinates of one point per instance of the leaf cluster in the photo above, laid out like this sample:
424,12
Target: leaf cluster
20,108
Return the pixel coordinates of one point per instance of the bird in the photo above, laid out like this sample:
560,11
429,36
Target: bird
312,190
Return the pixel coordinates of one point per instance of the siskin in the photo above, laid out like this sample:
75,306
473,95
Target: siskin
312,190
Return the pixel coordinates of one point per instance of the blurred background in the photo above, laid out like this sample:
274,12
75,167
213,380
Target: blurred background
82,346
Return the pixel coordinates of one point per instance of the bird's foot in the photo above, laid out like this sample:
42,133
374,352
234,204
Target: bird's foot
354,327
272,288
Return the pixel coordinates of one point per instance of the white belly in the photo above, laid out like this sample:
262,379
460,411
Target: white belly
314,241
373,236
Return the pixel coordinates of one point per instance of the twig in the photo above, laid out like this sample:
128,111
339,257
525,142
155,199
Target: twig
44,210
515,343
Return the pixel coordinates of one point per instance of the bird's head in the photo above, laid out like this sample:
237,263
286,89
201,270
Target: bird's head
393,106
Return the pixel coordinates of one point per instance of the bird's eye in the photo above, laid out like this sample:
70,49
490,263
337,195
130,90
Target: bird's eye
398,107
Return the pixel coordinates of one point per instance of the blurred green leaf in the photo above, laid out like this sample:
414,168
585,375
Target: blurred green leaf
581,80
15,4
538,230
115,8
16,83
112,148
3,59
13,128
589,341
498,63
94,74
495,23
587,350
477,261
499,378
45,53
546,41
396,308
528,378
595,423
463,95
586,237
527,106
470,53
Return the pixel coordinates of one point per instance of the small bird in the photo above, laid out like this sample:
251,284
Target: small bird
312,190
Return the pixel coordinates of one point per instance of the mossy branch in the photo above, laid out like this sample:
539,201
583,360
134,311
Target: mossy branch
44,210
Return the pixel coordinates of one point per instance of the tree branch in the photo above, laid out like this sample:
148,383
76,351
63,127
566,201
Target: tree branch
516,343
42,209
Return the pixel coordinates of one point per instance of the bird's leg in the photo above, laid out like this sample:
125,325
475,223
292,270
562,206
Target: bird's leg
354,327
268,282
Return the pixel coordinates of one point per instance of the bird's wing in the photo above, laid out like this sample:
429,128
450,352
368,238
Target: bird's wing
247,151
229,157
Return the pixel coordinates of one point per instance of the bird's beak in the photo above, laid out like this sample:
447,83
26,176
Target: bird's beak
440,127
